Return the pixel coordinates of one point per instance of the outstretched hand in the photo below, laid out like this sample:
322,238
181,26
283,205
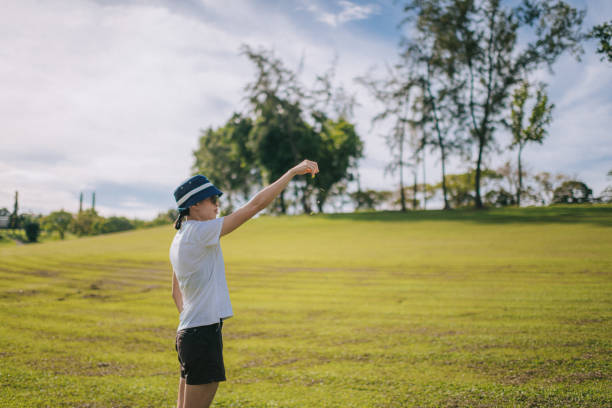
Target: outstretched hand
306,167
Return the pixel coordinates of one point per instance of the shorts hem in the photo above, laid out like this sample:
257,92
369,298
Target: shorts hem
208,381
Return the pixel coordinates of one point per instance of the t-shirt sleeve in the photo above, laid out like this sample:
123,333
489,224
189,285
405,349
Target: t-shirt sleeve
208,232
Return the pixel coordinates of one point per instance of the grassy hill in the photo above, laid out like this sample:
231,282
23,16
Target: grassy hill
498,308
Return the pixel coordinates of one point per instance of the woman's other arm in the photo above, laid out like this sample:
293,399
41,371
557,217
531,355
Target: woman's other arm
265,197
176,293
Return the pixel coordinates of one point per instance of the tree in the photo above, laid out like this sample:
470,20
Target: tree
32,229
603,33
289,124
86,223
224,156
460,186
280,136
394,93
437,79
14,219
164,218
480,41
339,148
572,192
57,221
536,128
369,199
411,193
113,224
500,198
606,194
546,183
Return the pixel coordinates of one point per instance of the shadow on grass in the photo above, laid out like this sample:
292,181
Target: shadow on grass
600,214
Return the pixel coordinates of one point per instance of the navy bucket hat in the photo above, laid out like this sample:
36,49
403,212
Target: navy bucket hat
193,190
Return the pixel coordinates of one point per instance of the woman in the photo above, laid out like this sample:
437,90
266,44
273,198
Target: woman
199,287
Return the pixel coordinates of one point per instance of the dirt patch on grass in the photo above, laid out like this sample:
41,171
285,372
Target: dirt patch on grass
243,335
233,335
74,367
520,398
575,370
163,331
290,269
478,347
41,273
312,381
581,377
284,362
257,362
408,330
343,341
361,357
19,293
585,321
95,296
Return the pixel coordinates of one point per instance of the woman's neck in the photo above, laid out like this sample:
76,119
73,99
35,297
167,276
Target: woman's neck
194,218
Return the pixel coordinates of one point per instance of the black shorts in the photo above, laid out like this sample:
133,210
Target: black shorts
200,352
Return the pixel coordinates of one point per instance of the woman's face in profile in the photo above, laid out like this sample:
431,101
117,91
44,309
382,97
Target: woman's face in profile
206,209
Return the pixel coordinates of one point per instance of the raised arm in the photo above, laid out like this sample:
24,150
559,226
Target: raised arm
265,197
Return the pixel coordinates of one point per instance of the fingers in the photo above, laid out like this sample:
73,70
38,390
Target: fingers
309,166
313,167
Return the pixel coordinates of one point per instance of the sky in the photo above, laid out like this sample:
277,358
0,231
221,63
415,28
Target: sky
111,96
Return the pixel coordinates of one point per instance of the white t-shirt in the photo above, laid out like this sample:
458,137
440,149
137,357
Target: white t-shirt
197,261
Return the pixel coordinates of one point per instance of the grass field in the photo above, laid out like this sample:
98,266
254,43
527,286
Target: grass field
462,309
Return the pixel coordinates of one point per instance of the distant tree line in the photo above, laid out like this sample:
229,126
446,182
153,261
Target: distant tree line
499,188
85,222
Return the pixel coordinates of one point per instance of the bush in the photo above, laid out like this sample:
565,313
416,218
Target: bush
500,198
572,192
115,224
32,230
86,222
57,221
166,218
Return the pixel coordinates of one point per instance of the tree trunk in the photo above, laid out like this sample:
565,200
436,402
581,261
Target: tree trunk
520,177
296,198
424,182
414,192
281,200
478,164
320,201
305,202
446,205
440,140
401,169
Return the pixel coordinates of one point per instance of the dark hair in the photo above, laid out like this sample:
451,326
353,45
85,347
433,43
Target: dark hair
179,220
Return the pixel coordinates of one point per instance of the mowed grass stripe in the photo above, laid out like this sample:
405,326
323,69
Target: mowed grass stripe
497,308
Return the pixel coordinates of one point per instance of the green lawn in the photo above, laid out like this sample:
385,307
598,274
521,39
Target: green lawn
505,307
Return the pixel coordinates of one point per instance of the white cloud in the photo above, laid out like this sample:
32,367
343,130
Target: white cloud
349,11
